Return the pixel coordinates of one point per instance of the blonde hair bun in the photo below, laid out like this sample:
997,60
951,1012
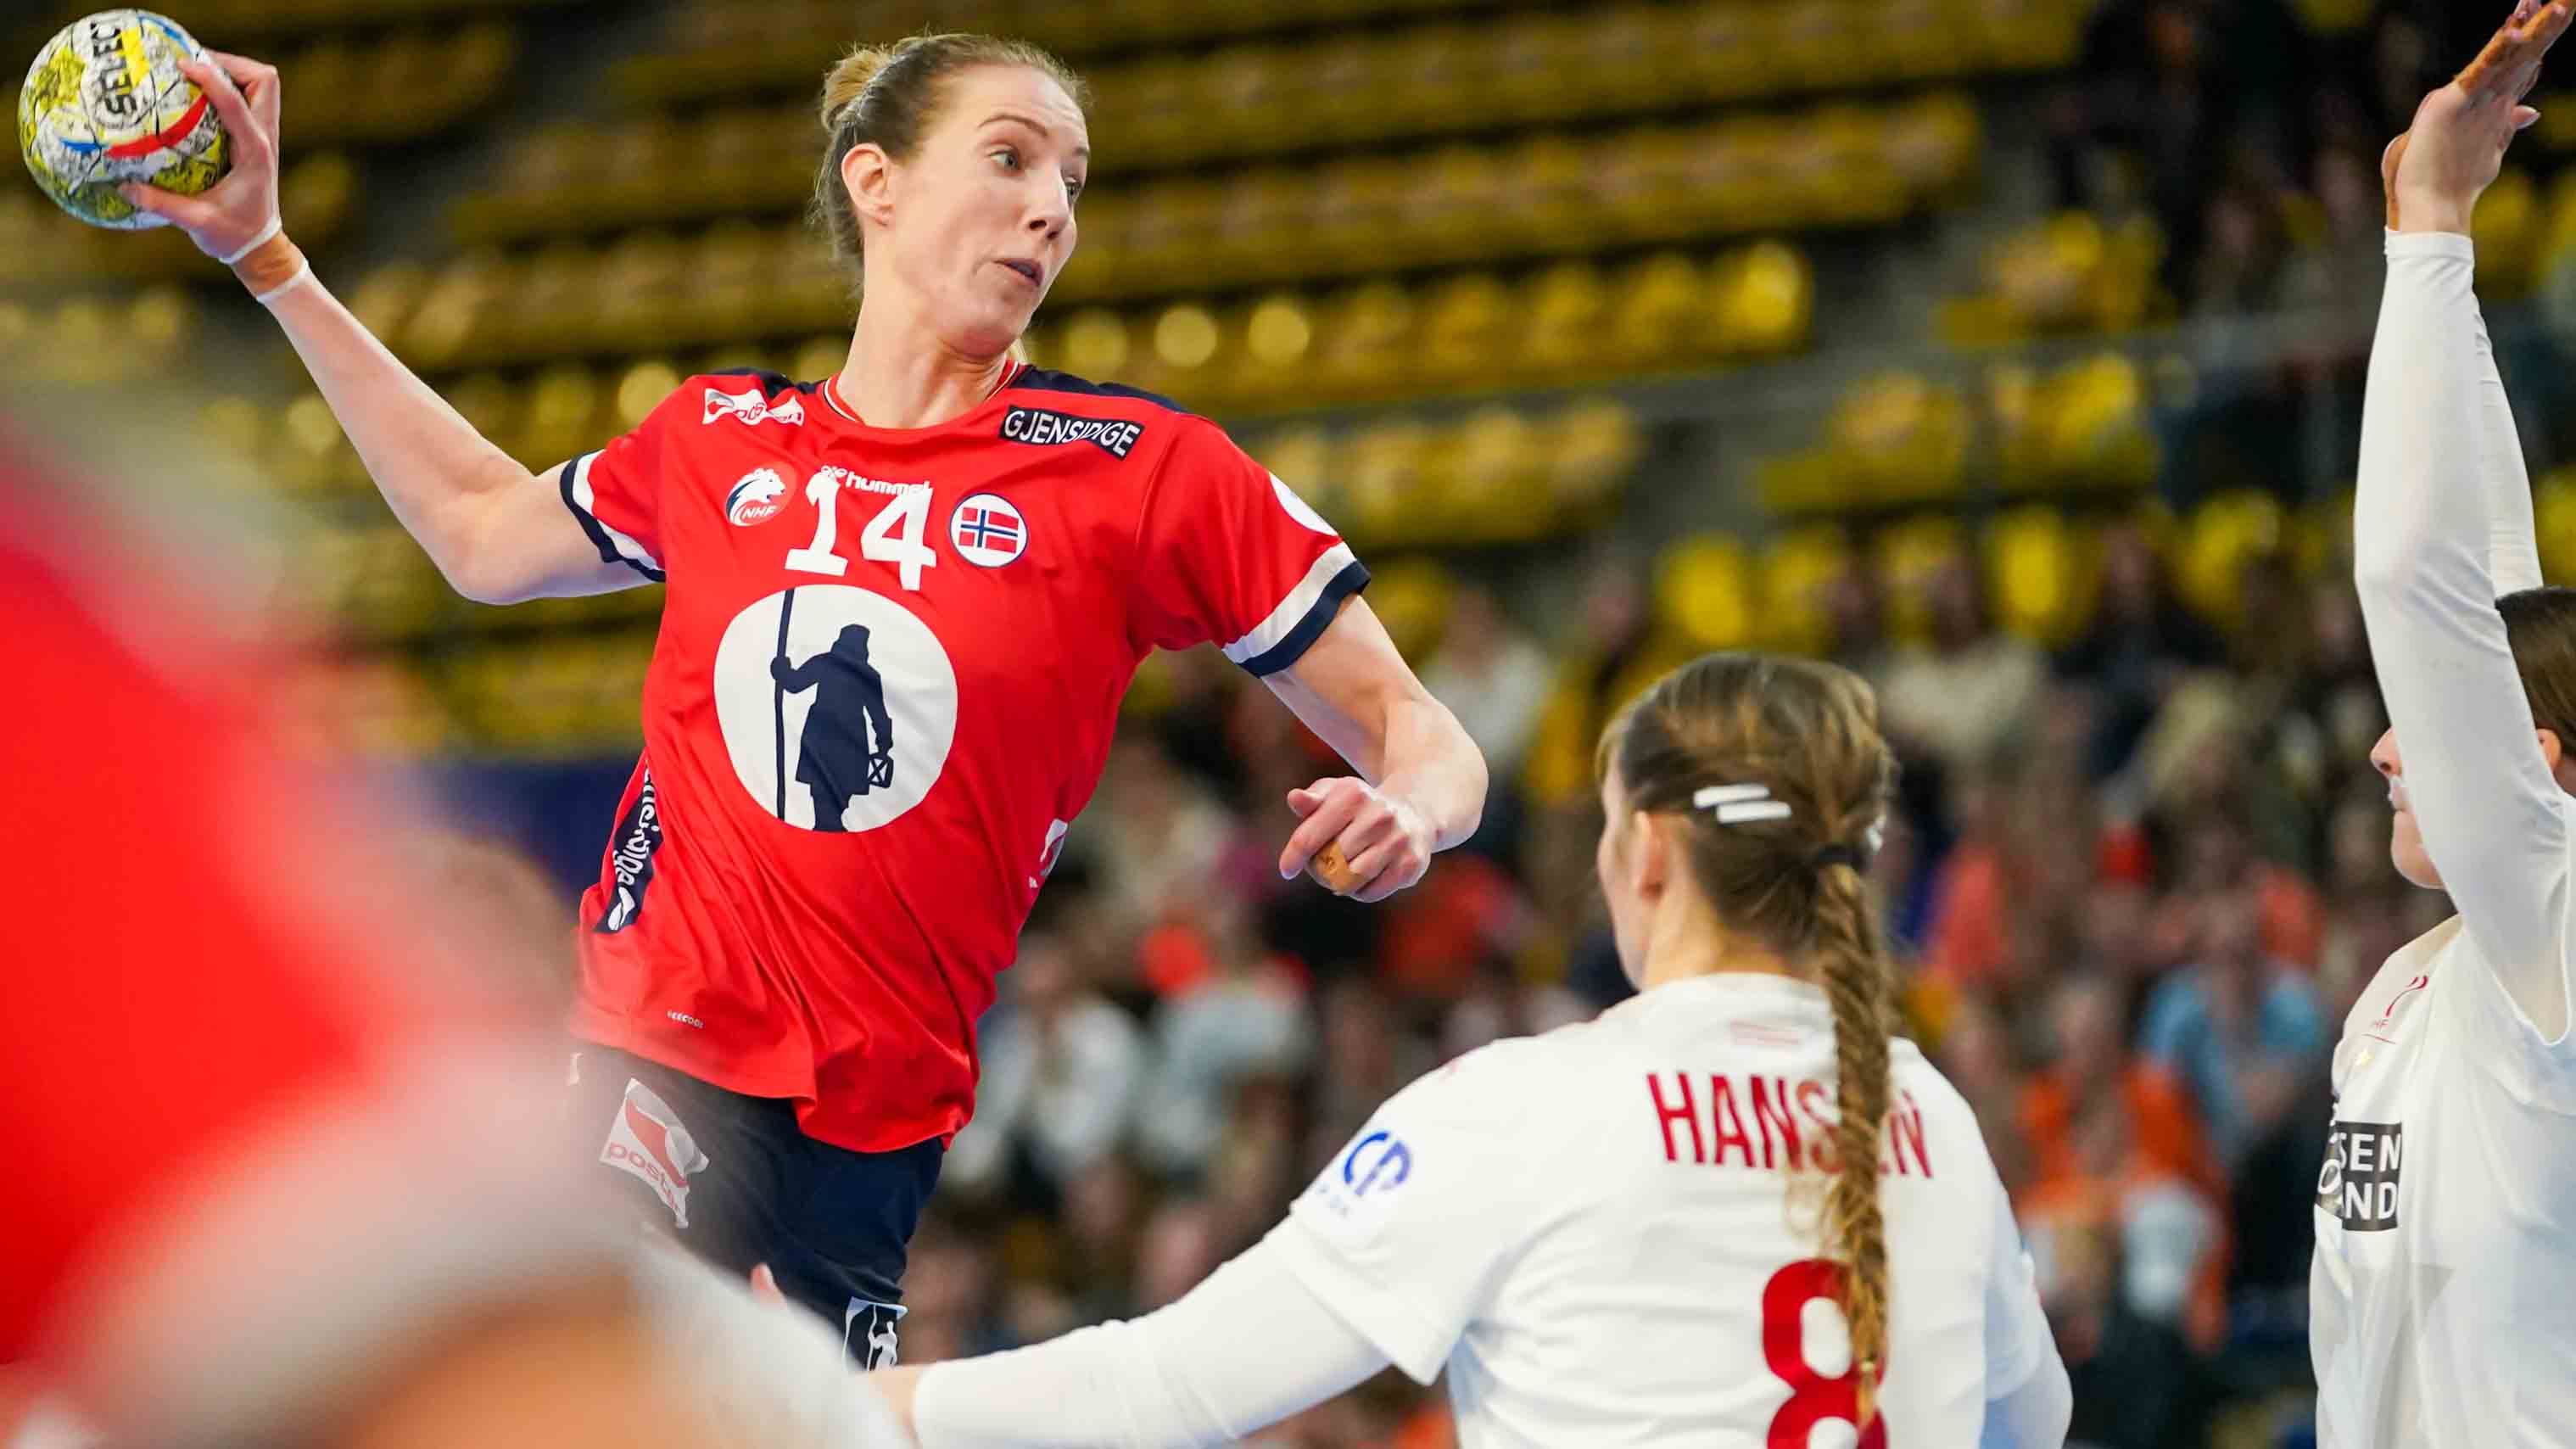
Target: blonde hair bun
849,79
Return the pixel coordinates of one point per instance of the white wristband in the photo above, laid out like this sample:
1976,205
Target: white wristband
275,225
303,274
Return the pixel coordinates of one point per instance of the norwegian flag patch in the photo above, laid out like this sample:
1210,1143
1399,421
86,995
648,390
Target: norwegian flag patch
987,531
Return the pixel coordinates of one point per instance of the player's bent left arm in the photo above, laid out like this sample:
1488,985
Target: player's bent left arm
1421,783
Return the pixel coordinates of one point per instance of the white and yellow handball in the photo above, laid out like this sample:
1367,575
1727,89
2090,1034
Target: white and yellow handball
105,105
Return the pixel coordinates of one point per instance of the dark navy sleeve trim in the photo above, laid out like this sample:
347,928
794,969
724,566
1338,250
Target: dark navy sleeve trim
1353,578
598,535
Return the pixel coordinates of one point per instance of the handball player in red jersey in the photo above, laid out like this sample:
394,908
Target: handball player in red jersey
905,602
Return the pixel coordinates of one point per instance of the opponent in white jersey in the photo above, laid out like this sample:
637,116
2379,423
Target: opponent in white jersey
2444,1286
1727,1214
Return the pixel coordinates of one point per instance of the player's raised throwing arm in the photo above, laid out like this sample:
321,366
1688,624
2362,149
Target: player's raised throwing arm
498,532
2442,529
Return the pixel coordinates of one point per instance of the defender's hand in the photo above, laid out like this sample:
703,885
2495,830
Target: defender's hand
2436,171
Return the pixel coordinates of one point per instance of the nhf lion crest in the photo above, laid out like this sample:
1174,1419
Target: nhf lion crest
756,499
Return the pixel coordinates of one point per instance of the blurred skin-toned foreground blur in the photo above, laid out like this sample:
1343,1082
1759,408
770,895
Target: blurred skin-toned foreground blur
278,1102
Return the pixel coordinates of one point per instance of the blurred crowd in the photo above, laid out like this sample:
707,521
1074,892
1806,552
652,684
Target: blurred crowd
2250,132
2108,884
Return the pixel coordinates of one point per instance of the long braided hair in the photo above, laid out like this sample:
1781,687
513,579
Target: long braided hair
1806,733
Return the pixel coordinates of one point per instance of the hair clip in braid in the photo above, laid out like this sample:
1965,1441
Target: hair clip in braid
1740,804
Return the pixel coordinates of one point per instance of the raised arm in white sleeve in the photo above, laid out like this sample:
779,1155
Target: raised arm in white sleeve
1247,1348
2441,527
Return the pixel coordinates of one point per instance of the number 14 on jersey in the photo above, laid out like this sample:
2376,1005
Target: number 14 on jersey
893,536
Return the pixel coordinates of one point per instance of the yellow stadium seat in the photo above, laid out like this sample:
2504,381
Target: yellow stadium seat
1306,458
1412,597
1532,72
1498,485
640,288
2032,35
639,389
1731,48
1803,483
1797,568
236,426
1704,589
2558,232
1901,437
1823,43
1161,108
1906,557
1567,308
818,358
2508,228
2553,507
1591,448
567,413
1764,300
1660,313
1922,39
1188,354
1367,341
1256,233
732,287
2039,575
1096,343
1469,323
2218,540
393,592
2093,427
2335,17
439,324
1934,144
493,404
1382,472
1550,179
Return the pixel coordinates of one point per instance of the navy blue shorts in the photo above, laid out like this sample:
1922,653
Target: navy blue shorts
737,1182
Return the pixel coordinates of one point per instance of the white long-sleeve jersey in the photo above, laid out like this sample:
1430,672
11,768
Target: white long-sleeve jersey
2444,1285
1607,1235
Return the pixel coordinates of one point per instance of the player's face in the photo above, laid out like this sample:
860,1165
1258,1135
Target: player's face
1623,838
2405,840
981,219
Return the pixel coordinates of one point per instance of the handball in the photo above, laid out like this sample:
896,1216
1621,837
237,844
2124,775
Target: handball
105,105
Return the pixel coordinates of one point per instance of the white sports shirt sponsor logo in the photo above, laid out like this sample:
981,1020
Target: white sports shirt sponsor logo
752,407
1045,427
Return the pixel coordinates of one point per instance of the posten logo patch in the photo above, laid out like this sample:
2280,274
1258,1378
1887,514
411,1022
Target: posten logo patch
2358,1185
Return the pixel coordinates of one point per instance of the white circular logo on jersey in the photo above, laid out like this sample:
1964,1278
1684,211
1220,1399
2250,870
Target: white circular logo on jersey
1297,507
988,531
837,706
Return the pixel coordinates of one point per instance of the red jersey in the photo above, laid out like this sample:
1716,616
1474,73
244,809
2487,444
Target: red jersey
889,667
